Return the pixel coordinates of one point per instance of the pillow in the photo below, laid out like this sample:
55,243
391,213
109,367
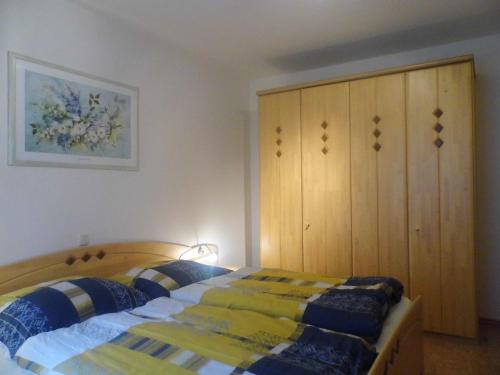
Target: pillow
62,304
11,296
128,278
159,281
4,352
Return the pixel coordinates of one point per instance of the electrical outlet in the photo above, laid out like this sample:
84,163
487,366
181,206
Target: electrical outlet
84,240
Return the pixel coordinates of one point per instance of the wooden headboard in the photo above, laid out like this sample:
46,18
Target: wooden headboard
99,260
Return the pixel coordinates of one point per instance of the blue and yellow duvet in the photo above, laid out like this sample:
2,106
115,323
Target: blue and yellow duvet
358,305
195,340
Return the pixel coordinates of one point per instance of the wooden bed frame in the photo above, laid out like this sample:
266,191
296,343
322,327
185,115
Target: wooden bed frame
99,260
401,355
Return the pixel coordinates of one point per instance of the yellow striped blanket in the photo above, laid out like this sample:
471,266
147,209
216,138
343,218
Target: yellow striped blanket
358,305
197,340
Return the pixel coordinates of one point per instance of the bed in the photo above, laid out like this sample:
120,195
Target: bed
399,346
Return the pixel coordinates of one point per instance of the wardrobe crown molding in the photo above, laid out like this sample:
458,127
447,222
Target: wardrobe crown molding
376,73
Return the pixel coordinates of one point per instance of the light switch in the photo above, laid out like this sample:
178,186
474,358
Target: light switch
84,240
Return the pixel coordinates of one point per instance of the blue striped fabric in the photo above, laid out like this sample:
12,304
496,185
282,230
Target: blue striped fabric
63,304
159,281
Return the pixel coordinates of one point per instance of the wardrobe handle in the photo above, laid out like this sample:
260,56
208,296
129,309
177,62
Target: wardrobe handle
308,226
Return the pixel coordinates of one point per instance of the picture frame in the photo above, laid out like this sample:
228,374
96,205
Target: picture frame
61,117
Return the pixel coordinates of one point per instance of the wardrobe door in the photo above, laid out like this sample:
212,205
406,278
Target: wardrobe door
423,194
391,177
379,190
326,180
457,197
281,196
270,197
440,155
363,103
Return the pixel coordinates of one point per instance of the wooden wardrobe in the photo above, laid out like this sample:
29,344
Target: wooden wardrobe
374,175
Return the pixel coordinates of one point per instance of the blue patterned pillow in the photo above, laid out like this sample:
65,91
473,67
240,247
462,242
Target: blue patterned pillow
63,304
159,281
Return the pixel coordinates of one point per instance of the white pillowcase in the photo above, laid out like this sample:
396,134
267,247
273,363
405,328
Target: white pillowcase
4,352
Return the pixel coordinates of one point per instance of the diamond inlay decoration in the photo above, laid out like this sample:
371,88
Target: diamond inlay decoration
438,127
324,137
278,130
324,150
377,133
438,142
437,112
324,125
376,119
377,146
278,141
278,154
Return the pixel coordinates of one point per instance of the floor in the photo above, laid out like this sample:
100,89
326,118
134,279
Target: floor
446,355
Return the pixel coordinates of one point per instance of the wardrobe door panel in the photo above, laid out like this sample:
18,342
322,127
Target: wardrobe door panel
391,174
326,180
363,105
423,194
456,190
290,181
270,196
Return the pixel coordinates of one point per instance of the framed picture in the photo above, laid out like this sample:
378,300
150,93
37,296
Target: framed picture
59,117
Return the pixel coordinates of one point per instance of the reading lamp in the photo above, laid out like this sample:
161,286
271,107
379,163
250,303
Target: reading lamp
203,252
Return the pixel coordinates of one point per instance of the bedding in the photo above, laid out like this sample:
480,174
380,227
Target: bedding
358,305
127,278
61,303
160,280
392,322
171,337
9,367
11,296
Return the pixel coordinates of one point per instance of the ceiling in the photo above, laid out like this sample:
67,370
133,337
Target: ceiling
264,37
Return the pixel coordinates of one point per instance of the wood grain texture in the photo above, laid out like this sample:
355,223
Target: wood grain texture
291,183
412,197
403,352
410,357
364,189
456,201
391,174
423,193
118,257
270,189
326,180
377,73
441,191
281,180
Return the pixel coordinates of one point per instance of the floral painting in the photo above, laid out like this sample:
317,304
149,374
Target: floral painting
65,118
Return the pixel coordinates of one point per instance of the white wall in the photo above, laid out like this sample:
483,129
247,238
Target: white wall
190,186
487,58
